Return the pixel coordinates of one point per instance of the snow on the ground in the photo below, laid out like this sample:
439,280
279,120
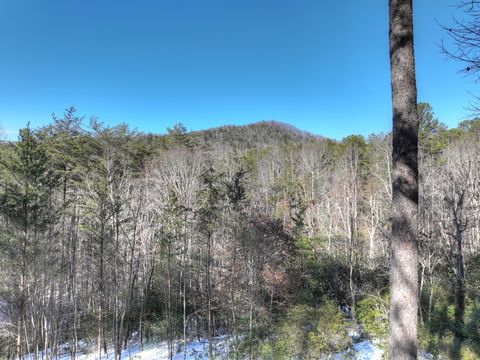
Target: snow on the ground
367,350
196,350
199,349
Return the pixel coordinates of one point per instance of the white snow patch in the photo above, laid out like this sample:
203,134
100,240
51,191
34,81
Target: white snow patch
198,350
367,350
195,350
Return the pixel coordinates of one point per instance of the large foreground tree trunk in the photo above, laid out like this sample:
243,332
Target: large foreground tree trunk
404,276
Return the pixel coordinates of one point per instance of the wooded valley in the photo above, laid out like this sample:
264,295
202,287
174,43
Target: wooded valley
261,232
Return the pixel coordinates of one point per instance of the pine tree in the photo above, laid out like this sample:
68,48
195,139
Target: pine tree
404,256
26,203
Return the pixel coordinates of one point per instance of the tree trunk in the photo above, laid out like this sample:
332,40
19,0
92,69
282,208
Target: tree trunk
169,299
232,296
420,292
404,257
100,337
351,263
184,300
209,297
117,343
459,293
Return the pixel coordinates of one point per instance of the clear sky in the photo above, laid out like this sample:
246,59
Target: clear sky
320,65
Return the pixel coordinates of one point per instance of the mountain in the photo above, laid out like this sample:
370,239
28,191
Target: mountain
258,134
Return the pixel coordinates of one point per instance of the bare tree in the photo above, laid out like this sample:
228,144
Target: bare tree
348,208
464,42
465,37
458,198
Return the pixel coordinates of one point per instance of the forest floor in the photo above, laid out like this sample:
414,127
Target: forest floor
198,350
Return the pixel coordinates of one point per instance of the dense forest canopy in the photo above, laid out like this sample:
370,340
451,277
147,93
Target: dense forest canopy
261,232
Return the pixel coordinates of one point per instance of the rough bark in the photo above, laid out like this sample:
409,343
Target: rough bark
404,256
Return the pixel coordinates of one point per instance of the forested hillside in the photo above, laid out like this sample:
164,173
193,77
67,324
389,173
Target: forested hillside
257,135
262,232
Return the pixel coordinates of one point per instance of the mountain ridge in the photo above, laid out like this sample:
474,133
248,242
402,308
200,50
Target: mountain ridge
260,133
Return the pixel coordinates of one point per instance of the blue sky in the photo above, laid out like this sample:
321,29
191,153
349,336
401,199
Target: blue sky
321,66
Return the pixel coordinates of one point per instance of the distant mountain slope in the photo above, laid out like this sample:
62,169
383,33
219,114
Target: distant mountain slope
258,134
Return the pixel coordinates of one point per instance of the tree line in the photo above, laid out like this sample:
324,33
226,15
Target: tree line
108,234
